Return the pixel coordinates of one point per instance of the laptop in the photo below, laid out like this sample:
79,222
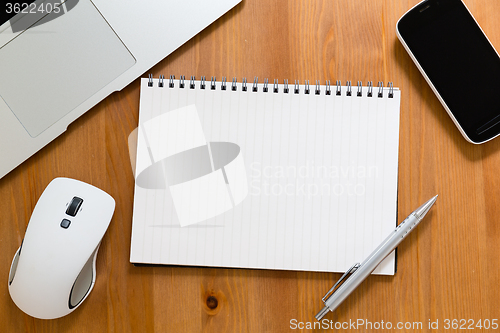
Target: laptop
60,58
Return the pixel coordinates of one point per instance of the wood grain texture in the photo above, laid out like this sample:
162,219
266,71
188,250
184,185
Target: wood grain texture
447,269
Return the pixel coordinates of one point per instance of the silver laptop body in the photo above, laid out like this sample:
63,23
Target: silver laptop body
54,66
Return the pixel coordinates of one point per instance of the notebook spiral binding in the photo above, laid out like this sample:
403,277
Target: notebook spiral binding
275,88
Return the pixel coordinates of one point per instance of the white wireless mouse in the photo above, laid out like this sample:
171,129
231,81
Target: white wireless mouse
53,270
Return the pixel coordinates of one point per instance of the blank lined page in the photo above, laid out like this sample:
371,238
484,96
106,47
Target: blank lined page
295,181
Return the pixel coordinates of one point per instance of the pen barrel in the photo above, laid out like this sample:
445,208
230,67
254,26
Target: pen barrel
372,261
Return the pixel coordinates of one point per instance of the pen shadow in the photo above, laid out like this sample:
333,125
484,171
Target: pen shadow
411,74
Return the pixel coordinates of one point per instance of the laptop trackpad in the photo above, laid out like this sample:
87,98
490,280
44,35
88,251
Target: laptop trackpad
51,68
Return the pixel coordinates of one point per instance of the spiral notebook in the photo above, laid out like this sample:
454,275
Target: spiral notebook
264,175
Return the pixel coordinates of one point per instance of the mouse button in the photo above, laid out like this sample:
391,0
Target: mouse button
13,266
65,223
83,283
74,206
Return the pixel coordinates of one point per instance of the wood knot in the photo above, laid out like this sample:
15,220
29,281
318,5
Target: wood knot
212,302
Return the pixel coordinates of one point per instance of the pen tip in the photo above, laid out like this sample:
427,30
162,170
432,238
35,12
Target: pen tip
433,199
421,211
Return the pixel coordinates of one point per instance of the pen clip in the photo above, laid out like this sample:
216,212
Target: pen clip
340,281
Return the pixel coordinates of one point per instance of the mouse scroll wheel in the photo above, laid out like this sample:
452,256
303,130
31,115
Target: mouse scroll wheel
74,206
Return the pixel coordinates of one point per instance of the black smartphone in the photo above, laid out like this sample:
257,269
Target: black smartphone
459,63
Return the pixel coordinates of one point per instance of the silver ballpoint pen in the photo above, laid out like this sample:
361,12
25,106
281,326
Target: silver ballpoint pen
359,272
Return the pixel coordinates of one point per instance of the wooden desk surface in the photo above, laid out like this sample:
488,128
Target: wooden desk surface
448,269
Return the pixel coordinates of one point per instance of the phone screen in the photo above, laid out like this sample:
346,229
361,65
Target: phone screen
459,61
